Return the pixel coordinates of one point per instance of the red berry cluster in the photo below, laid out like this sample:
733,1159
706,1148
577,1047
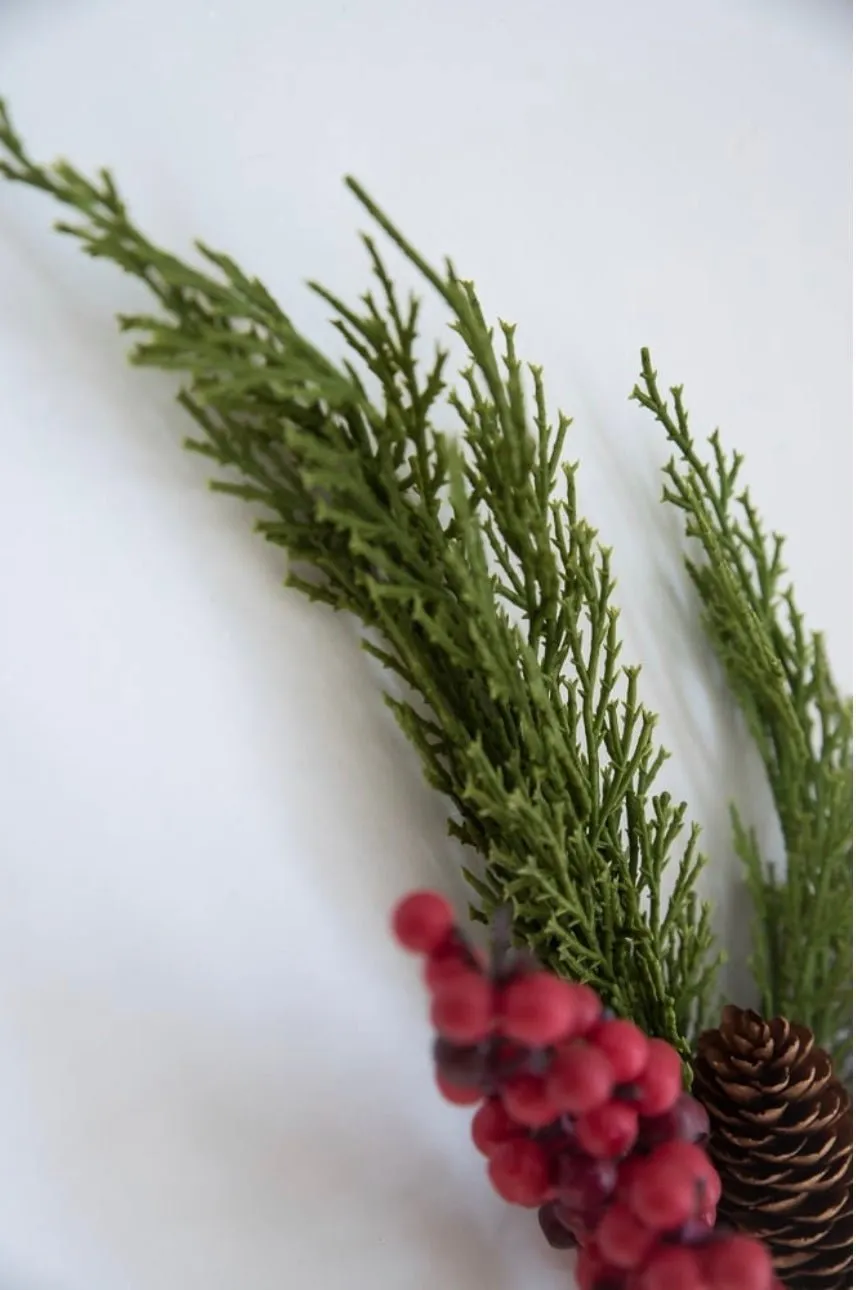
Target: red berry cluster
580,1115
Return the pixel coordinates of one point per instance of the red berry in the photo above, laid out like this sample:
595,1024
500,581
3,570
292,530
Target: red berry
580,1078
519,1172
583,1184
457,1094
663,1194
463,1008
608,1131
589,1009
691,1158
622,1239
713,1191
538,1009
594,1273
421,921
737,1263
492,1125
672,1267
659,1085
625,1046
527,1101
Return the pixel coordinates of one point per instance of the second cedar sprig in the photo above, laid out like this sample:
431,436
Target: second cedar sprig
481,587
779,672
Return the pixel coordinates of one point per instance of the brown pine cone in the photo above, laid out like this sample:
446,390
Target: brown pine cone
782,1139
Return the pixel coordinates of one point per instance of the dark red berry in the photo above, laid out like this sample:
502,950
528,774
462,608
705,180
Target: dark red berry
448,960
584,1185
737,1263
622,1239
537,1009
556,1136
693,1122
686,1121
441,968
580,1078
462,1009
609,1131
671,1267
625,1046
519,1172
659,1085
558,1236
457,1094
492,1125
465,1064
696,1231
508,1059
581,1226
421,921
627,1171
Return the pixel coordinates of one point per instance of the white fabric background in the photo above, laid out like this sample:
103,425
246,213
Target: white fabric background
213,1066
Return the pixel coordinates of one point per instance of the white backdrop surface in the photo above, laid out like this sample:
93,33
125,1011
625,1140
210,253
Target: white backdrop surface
213,1066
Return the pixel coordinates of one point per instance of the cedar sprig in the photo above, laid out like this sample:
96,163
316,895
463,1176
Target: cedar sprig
779,673
480,586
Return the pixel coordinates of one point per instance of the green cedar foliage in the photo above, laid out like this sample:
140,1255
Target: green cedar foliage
803,726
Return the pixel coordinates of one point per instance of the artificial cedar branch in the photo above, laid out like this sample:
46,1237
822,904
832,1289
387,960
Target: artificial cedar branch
478,584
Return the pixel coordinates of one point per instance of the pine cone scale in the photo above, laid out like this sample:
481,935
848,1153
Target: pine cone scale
841,1233
781,1137
831,1148
784,1180
813,1076
820,1275
778,1178
733,1148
